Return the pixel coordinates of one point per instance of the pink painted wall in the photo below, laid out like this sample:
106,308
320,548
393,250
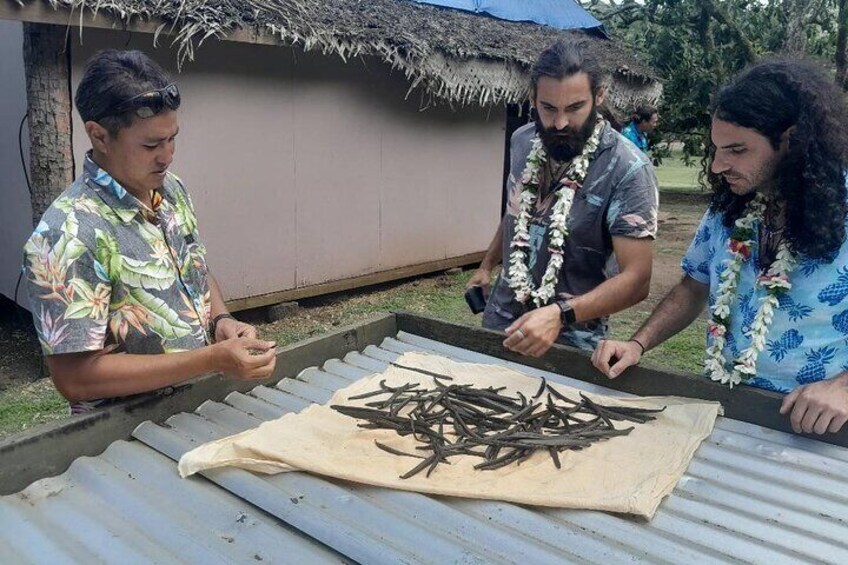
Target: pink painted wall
305,169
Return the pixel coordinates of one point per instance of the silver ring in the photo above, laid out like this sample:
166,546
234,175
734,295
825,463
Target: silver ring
521,333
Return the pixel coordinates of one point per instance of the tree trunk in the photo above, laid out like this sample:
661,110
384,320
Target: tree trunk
720,15
841,45
49,100
705,34
795,41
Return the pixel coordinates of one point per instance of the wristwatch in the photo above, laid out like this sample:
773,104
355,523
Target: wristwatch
566,313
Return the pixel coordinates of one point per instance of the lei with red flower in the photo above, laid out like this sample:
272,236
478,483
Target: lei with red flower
775,282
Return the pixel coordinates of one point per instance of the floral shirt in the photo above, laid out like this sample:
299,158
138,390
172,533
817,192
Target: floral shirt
808,338
618,198
104,270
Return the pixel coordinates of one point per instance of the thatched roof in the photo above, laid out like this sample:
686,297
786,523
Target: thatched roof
453,55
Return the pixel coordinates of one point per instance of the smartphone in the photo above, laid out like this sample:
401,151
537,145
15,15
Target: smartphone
476,299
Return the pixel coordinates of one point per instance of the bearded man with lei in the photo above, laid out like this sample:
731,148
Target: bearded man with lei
770,258
576,240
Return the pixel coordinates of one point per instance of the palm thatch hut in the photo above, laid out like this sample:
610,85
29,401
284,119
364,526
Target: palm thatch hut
369,148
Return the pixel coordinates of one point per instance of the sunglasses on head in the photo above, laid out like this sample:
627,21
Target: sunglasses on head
147,104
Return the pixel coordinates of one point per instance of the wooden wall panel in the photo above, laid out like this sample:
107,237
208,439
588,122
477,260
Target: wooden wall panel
305,169
16,211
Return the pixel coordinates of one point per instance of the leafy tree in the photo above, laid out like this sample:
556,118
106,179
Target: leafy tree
697,45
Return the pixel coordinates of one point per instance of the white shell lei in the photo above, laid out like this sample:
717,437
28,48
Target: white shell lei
520,280
775,282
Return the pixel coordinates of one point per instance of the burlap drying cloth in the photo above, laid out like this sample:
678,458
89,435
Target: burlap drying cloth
629,474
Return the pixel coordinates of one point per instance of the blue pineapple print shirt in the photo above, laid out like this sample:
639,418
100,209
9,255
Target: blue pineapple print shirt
808,339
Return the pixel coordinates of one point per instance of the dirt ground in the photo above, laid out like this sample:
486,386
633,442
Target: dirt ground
20,355
678,219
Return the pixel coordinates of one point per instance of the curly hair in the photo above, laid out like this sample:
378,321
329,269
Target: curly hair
770,97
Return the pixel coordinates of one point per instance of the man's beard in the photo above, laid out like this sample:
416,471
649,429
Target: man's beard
770,178
567,143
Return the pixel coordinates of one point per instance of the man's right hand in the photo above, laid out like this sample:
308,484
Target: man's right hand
612,357
246,358
483,278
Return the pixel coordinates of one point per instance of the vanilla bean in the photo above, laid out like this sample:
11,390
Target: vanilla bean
484,423
394,451
422,371
541,390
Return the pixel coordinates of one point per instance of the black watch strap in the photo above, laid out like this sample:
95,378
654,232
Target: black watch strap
566,313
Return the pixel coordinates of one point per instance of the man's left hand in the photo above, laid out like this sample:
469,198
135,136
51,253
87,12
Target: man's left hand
229,328
533,333
818,407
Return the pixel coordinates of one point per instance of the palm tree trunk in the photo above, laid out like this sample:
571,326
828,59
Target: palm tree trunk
46,57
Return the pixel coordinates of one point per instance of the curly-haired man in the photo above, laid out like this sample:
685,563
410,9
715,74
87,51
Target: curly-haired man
770,257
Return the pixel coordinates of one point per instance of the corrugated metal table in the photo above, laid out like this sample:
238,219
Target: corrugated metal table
751,494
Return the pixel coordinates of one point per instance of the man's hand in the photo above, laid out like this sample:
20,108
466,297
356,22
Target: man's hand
612,357
818,407
229,328
483,278
246,358
533,333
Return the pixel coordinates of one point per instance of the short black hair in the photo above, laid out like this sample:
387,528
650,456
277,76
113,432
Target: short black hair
112,77
643,113
566,58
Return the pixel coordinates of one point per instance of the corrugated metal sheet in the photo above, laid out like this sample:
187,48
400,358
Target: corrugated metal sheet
750,494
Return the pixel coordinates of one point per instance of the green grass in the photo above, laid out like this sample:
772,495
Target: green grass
674,176
30,404
684,352
440,297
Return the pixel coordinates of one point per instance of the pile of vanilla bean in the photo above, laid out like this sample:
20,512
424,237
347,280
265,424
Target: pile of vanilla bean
451,419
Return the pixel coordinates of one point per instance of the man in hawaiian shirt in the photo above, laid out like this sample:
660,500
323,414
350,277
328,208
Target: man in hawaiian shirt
121,295
614,210
643,122
773,239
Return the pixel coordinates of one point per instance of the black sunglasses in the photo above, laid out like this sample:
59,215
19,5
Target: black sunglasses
146,104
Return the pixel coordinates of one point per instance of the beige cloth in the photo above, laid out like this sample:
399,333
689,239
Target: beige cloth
629,474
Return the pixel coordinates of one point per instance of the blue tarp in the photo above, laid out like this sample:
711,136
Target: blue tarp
561,14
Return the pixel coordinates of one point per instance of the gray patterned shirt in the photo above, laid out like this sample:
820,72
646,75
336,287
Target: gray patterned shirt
618,198
104,270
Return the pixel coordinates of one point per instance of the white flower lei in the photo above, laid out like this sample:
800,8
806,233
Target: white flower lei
775,282
520,279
